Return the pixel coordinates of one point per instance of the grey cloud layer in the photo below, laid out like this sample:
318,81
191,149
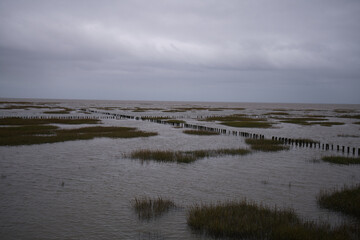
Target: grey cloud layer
120,37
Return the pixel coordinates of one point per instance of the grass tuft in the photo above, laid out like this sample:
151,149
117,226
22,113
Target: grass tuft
23,121
341,160
245,220
148,208
183,156
241,121
266,145
200,132
345,200
29,135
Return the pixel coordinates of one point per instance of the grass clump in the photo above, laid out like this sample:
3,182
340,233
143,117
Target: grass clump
248,124
303,120
350,116
277,113
38,121
266,145
200,132
39,134
345,200
241,121
148,208
341,160
64,111
305,140
183,156
330,124
245,220
344,110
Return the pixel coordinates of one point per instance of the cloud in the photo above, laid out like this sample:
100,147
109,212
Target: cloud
135,37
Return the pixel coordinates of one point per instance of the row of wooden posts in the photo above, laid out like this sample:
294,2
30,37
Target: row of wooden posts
288,141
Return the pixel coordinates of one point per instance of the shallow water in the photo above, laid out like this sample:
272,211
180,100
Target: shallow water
100,181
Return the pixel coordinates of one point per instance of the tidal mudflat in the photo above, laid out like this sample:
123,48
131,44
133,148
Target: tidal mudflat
89,186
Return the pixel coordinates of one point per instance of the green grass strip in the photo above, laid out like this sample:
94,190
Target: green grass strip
341,160
345,200
200,132
183,156
266,145
29,135
148,208
37,121
245,220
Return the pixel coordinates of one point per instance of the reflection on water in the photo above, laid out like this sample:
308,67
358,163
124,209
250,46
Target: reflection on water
99,182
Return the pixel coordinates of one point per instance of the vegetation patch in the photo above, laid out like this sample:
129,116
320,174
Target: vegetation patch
350,116
200,132
139,109
329,124
39,134
241,121
266,145
174,111
148,208
245,220
154,118
341,160
183,156
247,124
277,113
345,200
303,120
305,140
344,110
347,135
38,121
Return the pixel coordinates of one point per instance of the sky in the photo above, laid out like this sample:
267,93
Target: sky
181,50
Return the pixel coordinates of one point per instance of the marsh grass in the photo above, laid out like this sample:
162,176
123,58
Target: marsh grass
183,156
24,107
148,208
248,124
241,121
350,116
344,110
303,120
345,200
341,160
305,140
200,132
348,135
154,118
234,117
246,220
23,121
39,134
277,113
310,120
139,109
173,111
266,145
330,124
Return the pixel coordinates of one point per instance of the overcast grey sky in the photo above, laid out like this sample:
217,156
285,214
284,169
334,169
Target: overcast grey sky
193,50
